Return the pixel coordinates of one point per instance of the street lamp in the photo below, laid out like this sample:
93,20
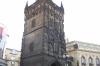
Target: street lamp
68,59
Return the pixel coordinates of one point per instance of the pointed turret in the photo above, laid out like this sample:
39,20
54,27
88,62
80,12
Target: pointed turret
26,7
62,8
62,5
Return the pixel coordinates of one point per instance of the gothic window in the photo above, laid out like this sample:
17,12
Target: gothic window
83,61
60,18
56,47
63,18
33,23
50,49
56,16
90,61
62,51
47,11
97,62
31,47
33,14
46,37
48,17
51,13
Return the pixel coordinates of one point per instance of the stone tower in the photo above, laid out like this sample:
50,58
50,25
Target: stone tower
43,41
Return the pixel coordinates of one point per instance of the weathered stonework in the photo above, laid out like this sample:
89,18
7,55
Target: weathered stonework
46,34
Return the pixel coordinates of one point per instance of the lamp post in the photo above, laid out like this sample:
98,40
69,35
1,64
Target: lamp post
68,60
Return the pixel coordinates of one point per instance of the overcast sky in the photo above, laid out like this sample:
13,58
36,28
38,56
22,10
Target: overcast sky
81,20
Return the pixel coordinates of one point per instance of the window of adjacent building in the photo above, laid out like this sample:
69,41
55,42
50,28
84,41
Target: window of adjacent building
12,58
33,23
31,47
12,51
83,61
12,63
90,61
97,62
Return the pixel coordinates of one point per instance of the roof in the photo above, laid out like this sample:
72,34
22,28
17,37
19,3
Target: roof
13,49
83,44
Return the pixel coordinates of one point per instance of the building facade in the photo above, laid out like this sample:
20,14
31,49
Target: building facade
12,57
3,38
84,54
3,41
43,41
2,61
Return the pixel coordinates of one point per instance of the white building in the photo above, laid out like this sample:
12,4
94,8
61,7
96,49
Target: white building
83,53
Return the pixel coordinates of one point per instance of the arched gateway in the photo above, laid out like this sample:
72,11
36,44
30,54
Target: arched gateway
55,63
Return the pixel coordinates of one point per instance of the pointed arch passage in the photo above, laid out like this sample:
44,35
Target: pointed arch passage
56,63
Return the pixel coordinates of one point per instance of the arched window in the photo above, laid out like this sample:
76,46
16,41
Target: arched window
83,61
97,62
31,47
90,61
56,47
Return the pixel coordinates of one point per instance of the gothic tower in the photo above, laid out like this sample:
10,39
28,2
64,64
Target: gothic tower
43,41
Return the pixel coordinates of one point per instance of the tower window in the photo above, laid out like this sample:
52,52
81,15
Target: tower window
33,23
31,47
56,48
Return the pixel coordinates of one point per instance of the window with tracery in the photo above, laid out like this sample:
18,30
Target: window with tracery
83,61
97,62
56,47
90,61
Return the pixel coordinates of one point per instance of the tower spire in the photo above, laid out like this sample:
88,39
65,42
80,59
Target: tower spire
26,7
62,5
62,8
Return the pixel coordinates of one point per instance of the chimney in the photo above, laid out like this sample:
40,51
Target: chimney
67,40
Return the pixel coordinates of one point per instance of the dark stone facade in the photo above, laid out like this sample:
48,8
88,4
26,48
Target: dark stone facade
43,41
